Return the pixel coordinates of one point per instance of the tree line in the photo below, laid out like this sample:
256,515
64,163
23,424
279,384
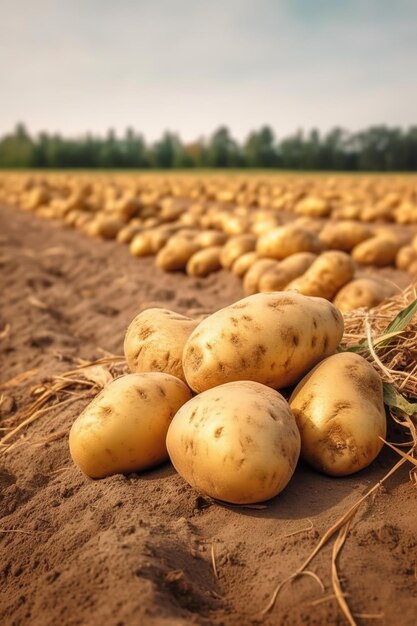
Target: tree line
379,148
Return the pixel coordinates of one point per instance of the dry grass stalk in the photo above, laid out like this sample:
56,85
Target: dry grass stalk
396,352
88,377
213,561
337,587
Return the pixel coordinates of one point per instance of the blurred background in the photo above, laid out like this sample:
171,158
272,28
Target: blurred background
290,84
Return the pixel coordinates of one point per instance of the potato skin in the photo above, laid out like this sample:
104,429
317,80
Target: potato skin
237,442
155,340
340,412
124,428
329,272
270,338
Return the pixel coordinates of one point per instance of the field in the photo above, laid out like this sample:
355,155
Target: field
83,254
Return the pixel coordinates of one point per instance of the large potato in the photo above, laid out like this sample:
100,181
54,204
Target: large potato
285,271
363,292
329,272
155,340
340,412
287,240
124,428
379,251
237,442
271,338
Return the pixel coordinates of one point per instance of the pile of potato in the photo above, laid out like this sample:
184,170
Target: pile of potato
312,234
235,399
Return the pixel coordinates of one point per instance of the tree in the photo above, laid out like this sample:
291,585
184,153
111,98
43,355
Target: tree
222,150
260,149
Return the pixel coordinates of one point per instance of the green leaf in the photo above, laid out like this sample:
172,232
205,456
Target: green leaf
358,347
395,400
404,317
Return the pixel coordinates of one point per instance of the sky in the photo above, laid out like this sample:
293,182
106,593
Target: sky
191,65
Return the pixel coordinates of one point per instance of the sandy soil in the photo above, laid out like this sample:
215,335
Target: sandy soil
137,550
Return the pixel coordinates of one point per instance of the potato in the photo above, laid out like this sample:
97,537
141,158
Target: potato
340,412
344,235
293,266
287,240
127,233
209,238
329,272
406,255
312,224
363,292
204,262
243,263
235,247
269,338
312,206
258,227
379,251
105,226
155,340
141,244
124,428
237,442
255,273
175,254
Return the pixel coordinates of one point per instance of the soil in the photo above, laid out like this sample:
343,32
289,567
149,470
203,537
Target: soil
139,549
